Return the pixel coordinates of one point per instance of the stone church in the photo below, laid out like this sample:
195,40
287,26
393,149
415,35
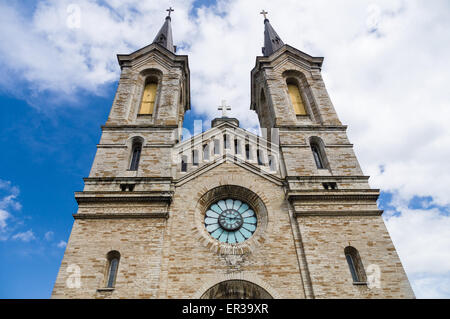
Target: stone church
226,213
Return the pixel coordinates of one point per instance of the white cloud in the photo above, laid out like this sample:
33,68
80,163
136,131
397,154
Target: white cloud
422,239
25,236
386,69
49,235
4,215
8,202
62,244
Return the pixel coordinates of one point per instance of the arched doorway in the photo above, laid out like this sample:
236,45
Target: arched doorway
236,289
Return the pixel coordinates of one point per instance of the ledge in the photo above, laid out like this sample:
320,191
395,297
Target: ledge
105,289
334,195
374,212
360,283
164,215
153,196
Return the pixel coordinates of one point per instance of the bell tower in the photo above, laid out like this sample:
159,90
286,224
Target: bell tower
227,213
332,207
154,84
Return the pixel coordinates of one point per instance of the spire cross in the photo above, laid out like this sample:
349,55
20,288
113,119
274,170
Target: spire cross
264,13
224,108
170,10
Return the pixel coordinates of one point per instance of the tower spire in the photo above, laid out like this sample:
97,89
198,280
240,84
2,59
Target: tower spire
164,36
272,41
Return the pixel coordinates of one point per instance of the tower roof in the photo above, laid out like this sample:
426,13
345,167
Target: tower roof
272,41
164,36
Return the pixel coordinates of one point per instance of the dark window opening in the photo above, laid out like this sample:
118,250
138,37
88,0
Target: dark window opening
184,163
247,151
136,155
195,157
317,156
330,185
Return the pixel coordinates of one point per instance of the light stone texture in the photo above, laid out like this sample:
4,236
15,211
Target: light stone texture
297,250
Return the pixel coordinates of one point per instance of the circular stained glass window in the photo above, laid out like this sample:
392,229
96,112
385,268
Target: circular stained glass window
230,221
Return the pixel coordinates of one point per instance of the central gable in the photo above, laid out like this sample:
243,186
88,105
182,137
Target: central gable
226,143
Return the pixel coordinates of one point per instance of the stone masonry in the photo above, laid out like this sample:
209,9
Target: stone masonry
154,216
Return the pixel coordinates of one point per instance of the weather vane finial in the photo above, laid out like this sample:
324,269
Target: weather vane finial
264,13
170,10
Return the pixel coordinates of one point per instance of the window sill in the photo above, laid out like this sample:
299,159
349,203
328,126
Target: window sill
360,283
105,289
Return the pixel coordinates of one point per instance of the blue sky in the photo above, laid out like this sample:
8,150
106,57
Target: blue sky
59,84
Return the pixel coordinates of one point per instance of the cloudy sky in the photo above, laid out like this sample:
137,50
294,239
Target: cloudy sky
386,68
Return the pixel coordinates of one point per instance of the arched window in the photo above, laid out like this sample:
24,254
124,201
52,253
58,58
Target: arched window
318,152
149,97
135,155
113,258
296,98
355,264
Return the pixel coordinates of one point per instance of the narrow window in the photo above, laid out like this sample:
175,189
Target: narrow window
226,141
272,163
237,146
296,99
317,157
355,264
216,146
195,157
148,98
259,155
113,258
184,163
247,151
135,156
206,152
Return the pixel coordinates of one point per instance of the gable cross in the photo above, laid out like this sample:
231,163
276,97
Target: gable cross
264,13
224,108
170,10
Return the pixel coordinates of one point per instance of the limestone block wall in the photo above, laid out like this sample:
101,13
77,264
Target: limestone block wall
139,242
324,240
272,79
170,98
193,264
114,154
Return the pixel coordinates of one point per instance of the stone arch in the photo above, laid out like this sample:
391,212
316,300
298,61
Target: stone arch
241,281
315,141
145,76
299,79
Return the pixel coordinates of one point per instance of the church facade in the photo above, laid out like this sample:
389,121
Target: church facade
227,213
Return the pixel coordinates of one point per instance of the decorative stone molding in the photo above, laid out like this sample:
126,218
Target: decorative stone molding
164,215
234,254
329,213
89,197
236,276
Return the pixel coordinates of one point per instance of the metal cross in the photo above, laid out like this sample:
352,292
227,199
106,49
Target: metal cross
224,108
264,14
170,10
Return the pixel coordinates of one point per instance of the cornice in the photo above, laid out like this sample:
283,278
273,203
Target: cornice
333,195
329,213
164,215
108,197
